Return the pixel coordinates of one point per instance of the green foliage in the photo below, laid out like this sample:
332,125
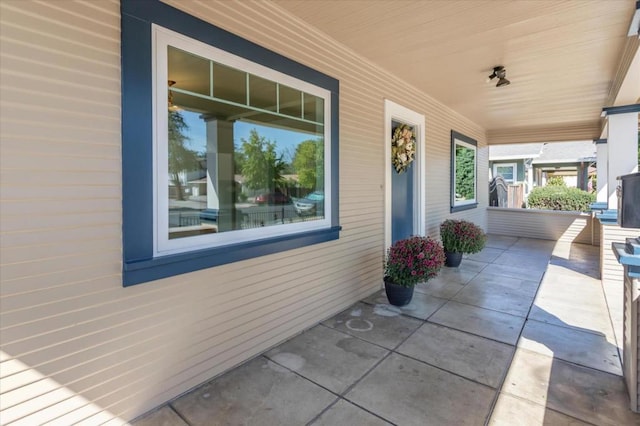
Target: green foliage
308,163
413,260
556,181
560,198
181,158
239,159
261,166
465,173
461,236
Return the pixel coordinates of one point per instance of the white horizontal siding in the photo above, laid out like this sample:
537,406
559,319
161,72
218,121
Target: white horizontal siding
611,270
76,346
543,224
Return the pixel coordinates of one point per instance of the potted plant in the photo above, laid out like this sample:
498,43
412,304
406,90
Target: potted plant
408,262
459,237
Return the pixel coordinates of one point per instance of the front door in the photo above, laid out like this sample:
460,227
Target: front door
402,195
405,173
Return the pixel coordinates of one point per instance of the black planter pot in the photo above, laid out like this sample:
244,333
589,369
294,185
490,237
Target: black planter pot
452,260
397,294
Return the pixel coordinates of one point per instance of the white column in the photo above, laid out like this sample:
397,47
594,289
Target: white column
529,171
623,150
220,178
602,160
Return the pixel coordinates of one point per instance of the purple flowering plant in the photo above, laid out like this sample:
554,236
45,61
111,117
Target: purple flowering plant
413,260
461,236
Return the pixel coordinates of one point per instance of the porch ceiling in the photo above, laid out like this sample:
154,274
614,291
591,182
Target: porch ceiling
562,57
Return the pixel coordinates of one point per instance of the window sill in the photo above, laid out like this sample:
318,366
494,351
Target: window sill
166,266
463,208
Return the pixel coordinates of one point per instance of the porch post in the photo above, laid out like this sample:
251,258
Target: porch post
623,146
220,177
529,171
602,160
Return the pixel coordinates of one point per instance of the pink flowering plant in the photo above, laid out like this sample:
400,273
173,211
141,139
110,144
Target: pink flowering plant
461,236
413,260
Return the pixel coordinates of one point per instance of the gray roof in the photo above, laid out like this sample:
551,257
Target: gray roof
567,152
553,152
515,151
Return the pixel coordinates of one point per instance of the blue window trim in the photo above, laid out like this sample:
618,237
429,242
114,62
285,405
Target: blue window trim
456,135
139,265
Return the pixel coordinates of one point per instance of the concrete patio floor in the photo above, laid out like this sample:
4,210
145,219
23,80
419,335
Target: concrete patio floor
519,334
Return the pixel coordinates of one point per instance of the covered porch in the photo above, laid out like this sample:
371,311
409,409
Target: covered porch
520,333
289,326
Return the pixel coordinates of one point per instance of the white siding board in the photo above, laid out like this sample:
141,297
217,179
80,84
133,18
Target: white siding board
39,223
65,317
611,270
543,224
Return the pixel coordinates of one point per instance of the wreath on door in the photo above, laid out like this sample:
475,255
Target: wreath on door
403,147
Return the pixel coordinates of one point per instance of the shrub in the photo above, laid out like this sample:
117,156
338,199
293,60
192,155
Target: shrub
556,181
413,260
560,198
461,236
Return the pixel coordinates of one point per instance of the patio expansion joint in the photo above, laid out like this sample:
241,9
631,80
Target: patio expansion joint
395,351
570,327
342,395
492,406
504,376
613,327
490,309
177,413
575,364
544,407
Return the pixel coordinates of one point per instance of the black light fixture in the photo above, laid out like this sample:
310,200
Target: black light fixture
501,73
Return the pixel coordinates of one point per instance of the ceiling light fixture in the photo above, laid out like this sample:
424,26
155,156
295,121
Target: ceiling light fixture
501,73
172,107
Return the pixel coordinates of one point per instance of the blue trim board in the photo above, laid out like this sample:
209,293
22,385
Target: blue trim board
457,135
157,12
600,206
623,109
137,142
463,208
608,217
167,266
630,261
335,163
619,249
600,141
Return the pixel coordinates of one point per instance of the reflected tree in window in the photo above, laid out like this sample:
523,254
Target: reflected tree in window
465,173
464,162
308,163
261,166
181,158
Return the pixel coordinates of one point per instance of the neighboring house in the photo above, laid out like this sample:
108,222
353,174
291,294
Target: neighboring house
573,161
532,164
513,163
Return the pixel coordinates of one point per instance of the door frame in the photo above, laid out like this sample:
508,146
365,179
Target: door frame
394,111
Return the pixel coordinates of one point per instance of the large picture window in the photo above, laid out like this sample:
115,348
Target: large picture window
240,148
464,159
230,151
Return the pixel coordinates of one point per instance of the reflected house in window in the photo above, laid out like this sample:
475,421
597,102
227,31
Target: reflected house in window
532,164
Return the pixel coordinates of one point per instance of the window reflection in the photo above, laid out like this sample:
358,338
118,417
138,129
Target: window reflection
463,169
235,162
